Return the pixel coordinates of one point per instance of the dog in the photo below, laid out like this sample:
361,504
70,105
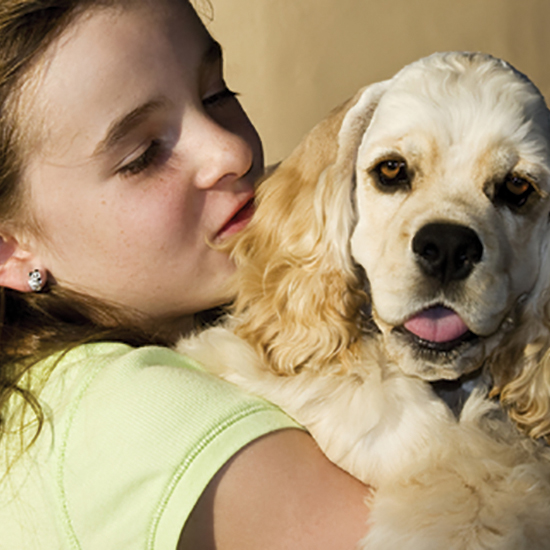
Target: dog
393,297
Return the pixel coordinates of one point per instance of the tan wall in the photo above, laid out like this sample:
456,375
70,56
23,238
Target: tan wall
293,60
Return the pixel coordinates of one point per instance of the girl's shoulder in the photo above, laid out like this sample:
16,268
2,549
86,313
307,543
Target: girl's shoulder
132,438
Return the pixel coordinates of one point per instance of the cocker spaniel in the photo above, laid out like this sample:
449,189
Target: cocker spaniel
393,297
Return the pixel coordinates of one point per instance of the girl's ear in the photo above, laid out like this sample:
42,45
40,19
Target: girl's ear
16,265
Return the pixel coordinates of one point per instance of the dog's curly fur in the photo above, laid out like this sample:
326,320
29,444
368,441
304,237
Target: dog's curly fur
330,276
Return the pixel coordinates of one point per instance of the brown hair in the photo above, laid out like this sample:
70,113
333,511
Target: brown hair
33,326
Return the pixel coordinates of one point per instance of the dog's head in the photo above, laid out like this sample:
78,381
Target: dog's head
452,180
423,200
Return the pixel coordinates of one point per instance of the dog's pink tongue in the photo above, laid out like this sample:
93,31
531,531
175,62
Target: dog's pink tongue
437,324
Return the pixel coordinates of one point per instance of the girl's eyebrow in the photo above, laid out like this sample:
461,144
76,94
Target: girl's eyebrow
126,123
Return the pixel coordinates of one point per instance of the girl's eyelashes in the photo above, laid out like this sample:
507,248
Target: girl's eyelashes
144,161
157,150
219,97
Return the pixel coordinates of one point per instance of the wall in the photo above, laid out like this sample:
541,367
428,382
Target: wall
293,60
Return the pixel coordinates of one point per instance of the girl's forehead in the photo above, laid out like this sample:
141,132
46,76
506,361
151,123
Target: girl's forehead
115,29
108,62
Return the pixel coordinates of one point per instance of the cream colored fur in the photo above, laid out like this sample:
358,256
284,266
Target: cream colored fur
327,273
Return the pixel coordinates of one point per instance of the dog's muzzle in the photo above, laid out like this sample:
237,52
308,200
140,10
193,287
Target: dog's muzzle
445,253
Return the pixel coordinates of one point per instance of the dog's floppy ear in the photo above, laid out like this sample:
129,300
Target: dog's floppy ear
298,294
521,372
527,396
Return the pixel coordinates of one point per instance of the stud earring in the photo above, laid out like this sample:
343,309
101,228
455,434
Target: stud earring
35,280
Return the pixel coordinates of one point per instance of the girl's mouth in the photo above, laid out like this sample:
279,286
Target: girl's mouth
238,221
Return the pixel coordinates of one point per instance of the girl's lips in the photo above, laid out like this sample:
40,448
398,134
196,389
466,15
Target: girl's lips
238,221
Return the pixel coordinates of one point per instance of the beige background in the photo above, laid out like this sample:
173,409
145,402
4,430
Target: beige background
293,60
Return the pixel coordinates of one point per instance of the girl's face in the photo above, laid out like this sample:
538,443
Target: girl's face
145,157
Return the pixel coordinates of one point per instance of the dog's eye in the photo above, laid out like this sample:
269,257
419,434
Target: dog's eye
391,173
515,190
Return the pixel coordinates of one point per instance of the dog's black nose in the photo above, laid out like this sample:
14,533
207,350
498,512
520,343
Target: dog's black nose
447,251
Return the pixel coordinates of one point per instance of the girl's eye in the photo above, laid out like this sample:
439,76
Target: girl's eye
144,161
219,98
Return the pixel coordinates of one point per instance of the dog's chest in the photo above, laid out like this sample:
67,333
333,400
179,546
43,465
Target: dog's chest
455,393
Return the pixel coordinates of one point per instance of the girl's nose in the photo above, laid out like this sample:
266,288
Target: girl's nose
222,155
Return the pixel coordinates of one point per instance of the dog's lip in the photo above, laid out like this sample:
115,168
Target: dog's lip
438,347
437,324
436,329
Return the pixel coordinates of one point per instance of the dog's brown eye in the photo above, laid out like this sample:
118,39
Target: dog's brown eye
515,190
390,169
517,186
391,173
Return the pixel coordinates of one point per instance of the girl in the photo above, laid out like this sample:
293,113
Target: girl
122,155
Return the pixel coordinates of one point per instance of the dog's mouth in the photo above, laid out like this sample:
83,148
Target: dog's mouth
437,329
